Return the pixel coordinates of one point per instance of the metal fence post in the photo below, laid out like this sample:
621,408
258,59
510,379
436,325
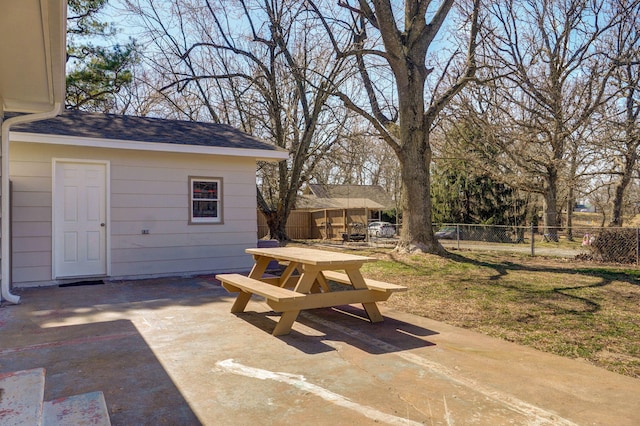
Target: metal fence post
532,242
458,235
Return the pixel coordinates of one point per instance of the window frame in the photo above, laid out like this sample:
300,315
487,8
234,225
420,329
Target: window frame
206,220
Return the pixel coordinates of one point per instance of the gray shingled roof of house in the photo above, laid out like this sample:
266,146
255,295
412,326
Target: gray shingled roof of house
345,196
310,202
372,192
82,124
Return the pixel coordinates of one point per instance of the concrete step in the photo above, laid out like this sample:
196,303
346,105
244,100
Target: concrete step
78,410
21,396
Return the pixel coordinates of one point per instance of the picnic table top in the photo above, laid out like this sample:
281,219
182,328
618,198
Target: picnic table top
310,256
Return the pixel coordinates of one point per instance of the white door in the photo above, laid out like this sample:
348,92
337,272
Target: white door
79,219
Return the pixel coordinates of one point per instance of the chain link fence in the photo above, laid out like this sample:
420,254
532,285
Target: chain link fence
611,245
618,245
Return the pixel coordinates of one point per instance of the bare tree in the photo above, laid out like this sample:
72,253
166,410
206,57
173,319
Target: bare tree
256,64
625,106
358,158
553,75
403,96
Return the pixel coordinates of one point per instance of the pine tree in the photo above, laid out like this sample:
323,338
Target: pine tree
95,73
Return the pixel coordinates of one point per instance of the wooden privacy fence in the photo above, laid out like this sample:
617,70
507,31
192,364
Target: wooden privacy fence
331,224
317,225
298,225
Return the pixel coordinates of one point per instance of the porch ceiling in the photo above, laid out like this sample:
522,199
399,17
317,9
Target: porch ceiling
32,54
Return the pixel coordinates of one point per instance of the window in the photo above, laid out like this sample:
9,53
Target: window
206,200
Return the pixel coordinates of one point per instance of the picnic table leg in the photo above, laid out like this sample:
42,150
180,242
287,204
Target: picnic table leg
370,308
373,312
286,322
256,272
322,282
259,267
289,270
307,279
241,302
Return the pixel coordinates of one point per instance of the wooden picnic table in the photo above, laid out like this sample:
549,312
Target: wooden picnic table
304,283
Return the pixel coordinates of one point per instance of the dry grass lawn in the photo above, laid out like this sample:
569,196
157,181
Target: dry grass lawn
566,307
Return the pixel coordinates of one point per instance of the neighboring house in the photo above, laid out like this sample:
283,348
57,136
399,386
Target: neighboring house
326,211
98,195
334,208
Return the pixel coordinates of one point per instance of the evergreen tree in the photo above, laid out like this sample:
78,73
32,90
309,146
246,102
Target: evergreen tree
95,73
462,196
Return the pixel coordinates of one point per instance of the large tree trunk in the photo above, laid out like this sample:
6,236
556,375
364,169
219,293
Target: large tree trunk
277,224
417,229
550,216
616,211
415,161
278,215
570,203
625,180
415,157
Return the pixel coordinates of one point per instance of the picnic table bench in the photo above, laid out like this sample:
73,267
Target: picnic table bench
342,278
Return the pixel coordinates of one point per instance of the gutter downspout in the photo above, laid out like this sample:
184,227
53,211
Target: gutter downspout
5,245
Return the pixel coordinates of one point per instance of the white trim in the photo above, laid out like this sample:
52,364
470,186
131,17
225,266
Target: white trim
42,55
219,199
258,154
107,235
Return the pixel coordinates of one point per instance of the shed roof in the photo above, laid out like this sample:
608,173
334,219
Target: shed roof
323,197
375,194
309,202
116,130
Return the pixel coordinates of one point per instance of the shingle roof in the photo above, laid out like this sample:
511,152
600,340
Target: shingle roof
309,202
372,192
345,196
82,124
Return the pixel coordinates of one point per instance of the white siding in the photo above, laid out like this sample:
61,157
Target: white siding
149,191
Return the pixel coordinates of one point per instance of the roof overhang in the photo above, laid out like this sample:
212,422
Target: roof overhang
32,54
319,204
258,154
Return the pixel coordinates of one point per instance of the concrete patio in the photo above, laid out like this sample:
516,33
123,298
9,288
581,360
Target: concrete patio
169,352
